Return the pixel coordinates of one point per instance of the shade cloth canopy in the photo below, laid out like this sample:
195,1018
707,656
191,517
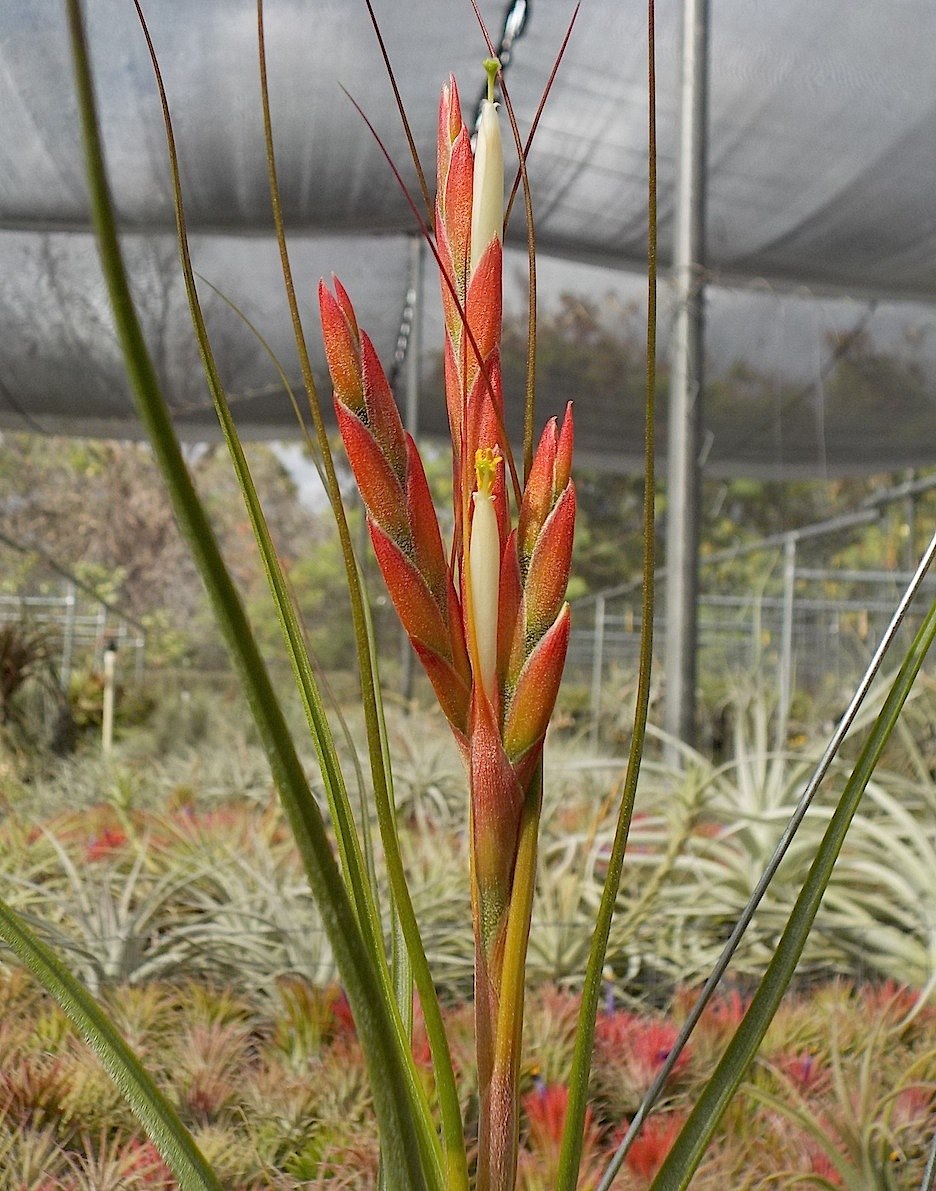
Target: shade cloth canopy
821,211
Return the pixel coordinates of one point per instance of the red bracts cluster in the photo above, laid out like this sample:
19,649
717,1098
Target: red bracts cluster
403,525
490,623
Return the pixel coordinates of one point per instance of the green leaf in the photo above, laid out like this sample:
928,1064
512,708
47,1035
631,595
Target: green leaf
149,1105
690,1146
570,1157
453,1142
396,1114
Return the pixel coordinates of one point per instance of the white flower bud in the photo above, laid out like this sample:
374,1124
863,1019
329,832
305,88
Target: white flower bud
484,570
487,200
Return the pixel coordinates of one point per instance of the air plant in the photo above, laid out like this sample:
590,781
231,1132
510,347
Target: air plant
490,624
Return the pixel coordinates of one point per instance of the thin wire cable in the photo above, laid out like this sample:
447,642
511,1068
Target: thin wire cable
512,27
760,889
404,334
514,23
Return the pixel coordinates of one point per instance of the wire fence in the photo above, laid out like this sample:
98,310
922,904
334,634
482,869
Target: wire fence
83,626
769,610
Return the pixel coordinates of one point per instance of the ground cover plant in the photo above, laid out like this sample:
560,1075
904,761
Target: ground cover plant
179,899
487,618
274,1088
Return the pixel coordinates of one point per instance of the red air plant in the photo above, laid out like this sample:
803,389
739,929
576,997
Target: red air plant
490,624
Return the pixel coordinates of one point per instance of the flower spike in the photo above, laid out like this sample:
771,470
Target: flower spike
402,520
490,625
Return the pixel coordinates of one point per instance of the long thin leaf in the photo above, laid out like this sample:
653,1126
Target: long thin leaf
400,965
692,1142
784,847
509,1032
455,1159
399,1130
154,1112
342,816
353,866
320,677
357,878
574,1129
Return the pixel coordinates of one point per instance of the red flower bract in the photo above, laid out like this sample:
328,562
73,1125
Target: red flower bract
490,625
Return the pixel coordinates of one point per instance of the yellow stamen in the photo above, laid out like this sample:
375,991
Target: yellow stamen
484,568
486,461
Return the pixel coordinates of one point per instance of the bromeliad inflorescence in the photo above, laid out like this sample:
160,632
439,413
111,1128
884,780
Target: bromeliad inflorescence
490,623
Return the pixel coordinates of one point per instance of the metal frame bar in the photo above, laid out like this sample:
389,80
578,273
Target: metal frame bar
686,382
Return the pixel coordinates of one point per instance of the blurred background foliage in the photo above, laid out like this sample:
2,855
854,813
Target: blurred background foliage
165,870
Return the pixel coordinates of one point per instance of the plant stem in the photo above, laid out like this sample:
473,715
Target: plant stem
504,1104
573,1132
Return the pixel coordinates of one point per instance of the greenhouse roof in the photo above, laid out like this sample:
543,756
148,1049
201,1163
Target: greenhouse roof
820,217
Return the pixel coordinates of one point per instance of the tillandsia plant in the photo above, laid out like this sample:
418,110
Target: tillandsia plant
490,622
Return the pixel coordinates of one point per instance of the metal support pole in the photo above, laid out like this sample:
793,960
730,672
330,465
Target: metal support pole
139,657
910,507
685,400
68,633
598,636
786,640
107,713
414,300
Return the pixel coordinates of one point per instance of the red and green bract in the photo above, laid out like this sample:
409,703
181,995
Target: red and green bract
500,731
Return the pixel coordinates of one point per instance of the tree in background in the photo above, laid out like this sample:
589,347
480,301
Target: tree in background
98,507
99,510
